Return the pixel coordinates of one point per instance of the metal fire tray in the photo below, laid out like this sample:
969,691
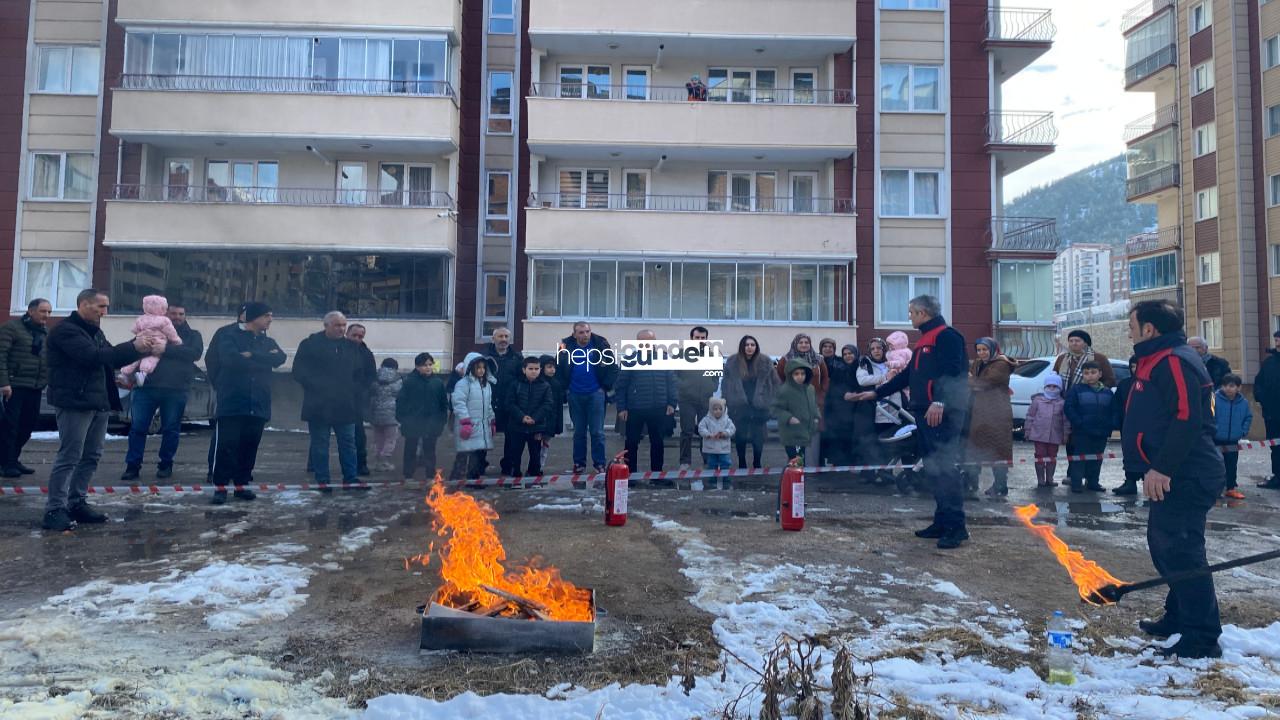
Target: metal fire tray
444,628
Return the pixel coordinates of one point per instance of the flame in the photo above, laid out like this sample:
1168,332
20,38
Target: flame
473,555
1089,577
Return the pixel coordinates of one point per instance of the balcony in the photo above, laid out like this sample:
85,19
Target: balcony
1018,139
268,218
1166,116
1152,70
704,28
1140,13
404,15
686,224
1152,182
1022,236
260,112
1018,37
1169,238
649,123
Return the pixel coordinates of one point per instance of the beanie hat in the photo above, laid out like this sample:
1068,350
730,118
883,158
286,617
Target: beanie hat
254,310
1088,340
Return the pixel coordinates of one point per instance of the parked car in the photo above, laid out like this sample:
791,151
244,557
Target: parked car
1028,379
200,406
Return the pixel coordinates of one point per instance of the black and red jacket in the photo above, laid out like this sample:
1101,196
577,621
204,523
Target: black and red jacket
1168,415
938,371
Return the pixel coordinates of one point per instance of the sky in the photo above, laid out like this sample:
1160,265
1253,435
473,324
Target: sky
1082,81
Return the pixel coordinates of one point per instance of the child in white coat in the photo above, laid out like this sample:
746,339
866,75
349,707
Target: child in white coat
717,432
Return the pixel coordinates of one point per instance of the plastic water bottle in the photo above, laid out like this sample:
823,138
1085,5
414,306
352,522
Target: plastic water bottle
1061,661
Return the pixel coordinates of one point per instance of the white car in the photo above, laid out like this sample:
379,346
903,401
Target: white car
1028,379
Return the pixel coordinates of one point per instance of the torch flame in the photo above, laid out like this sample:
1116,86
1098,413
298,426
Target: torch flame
473,556
1089,577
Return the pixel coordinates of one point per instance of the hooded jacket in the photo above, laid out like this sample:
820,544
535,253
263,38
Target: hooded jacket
1234,418
82,365
710,426
472,403
1090,410
644,390
177,366
534,399
382,400
796,400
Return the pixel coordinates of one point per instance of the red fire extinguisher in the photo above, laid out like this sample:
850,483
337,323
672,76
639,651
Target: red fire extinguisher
615,491
791,504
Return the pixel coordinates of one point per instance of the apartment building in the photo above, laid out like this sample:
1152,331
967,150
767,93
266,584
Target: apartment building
1202,158
439,169
1119,275
1082,277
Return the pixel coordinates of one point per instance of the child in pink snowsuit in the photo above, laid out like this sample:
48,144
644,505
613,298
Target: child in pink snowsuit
152,323
899,355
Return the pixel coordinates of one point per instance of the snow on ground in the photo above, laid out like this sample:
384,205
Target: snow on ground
52,436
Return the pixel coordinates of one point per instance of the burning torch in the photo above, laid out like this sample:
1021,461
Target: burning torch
1111,593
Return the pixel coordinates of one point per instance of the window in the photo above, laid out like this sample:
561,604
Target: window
1201,17
1202,78
910,193
910,88
497,212
495,302
61,176
804,191
590,81
1207,204
584,188
178,178
1271,52
500,102
405,184
636,187
742,85
58,281
1273,198
660,289
1207,269
804,86
295,284
1211,331
897,290
1205,139
635,82
1273,256
502,17
254,181
351,184
1273,121
742,191
69,70
909,4
1150,273
1025,290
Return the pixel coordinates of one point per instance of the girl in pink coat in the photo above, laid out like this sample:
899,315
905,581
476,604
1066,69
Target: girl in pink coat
1046,426
152,323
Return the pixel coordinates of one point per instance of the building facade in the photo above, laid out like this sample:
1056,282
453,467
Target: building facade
439,169
1082,277
1204,158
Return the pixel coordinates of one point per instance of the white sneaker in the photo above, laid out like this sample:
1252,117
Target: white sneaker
139,378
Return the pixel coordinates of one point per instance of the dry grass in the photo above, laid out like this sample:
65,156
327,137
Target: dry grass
962,642
903,709
1222,686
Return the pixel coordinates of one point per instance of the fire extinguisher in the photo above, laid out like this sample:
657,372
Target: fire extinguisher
791,497
615,491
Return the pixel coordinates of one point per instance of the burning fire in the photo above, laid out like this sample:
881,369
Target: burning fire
1089,577
473,556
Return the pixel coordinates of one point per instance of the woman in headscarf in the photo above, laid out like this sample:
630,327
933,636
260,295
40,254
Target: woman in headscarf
748,388
802,347
837,437
990,415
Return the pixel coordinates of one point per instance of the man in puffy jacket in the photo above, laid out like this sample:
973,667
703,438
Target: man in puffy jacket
528,408
83,393
24,372
1168,428
694,391
646,401
328,366
1089,408
1266,390
938,377
245,357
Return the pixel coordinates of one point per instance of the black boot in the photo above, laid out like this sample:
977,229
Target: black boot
24,469
219,497
1077,486
1128,488
1095,486
1191,649
953,538
244,493
1161,629
932,532
1272,484
10,472
57,521
83,512
164,472
131,472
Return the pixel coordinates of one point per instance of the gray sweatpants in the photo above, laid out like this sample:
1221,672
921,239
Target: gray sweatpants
82,433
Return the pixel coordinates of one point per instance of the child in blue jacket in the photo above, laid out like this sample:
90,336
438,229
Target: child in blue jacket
1090,410
1232,413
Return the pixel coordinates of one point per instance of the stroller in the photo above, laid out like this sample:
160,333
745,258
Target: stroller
898,446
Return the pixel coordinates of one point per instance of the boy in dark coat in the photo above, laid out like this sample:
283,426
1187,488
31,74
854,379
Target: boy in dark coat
1090,411
555,423
1131,477
529,407
422,408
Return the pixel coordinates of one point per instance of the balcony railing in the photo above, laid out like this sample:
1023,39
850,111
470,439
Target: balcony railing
1021,128
1149,182
297,85
691,203
1150,65
1162,239
1024,234
1135,15
744,95
1020,25
282,196
1162,118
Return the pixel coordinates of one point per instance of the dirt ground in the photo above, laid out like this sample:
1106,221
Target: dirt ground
359,611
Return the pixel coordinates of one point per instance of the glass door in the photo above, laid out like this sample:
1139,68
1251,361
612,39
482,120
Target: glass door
766,86
351,183
637,189
804,84
177,183
803,190
636,82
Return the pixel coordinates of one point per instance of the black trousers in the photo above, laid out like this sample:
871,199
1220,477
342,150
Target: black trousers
1175,536
514,445
21,411
410,461
655,423
468,464
1272,428
750,432
940,450
1086,471
362,445
237,438
1231,461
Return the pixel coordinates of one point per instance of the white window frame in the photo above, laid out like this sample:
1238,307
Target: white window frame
911,293
489,114
484,301
727,199
648,81
583,194
1208,268
1206,203
72,51
1211,331
179,192
59,304
1204,139
340,193
62,178
407,194
1273,191
648,187
1271,52
1273,260
911,187
491,16
727,88
585,69
791,190
508,217
1200,17
911,86
792,75
916,5
1202,71
1273,121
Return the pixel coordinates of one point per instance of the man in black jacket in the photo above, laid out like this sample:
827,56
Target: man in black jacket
1218,367
328,366
528,409
1266,390
362,389
245,357
211,372
510,364
83,393
1168,433
938,378
166,391
646,402
24,372
586,369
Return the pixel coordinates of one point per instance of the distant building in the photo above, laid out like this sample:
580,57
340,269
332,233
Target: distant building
1119,275
1082,277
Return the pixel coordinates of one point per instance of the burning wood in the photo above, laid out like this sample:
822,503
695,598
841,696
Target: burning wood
1089,577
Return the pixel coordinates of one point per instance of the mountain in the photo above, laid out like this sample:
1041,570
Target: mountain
1089,205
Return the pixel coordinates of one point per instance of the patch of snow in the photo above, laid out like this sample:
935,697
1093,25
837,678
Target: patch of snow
359,538
948,588
52,436
292,497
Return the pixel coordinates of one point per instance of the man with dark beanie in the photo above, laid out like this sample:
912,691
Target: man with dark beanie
1070,365
1266,390
245,359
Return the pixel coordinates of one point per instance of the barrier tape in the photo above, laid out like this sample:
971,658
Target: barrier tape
579,479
